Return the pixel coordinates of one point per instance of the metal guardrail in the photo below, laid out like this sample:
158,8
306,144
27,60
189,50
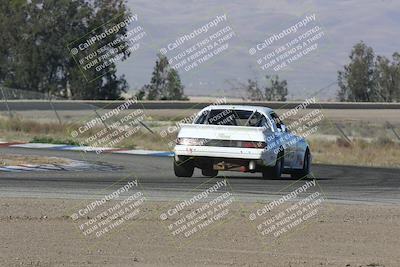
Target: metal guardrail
20,105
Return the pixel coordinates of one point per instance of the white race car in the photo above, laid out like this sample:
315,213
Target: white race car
240,138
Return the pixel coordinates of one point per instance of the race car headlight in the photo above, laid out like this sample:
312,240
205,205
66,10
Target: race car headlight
190,141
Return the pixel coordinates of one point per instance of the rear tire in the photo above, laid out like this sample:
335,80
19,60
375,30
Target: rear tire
183,169
209,172
306,167
275,172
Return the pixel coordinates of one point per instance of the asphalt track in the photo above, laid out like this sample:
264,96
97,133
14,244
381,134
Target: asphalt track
347,184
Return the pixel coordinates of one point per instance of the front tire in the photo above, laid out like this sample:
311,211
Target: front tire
306,167
276,171
183,169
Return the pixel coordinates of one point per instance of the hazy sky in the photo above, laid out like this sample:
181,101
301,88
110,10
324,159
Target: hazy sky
343,23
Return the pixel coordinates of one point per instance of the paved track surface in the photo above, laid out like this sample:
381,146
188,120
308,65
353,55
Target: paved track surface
155,174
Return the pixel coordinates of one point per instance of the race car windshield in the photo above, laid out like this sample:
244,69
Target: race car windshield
231,117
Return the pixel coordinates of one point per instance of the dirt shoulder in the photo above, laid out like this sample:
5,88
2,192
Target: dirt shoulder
39,232
12,160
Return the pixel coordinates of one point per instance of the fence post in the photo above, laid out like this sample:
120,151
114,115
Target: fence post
393,130
343,134
6,102
55,111
98,116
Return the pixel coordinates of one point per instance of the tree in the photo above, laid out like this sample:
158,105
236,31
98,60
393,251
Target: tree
396,76
174,88
253,91
356,80
165,83
367,78
33,46
141,94
276,90
387,78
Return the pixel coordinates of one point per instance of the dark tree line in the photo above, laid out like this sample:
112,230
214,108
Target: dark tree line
34,57
273,90
33,46
369,78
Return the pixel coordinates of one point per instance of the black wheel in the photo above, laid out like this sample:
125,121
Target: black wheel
276,171
183,169
306,167
209,172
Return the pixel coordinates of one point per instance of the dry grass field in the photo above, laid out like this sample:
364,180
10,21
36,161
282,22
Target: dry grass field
372,133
